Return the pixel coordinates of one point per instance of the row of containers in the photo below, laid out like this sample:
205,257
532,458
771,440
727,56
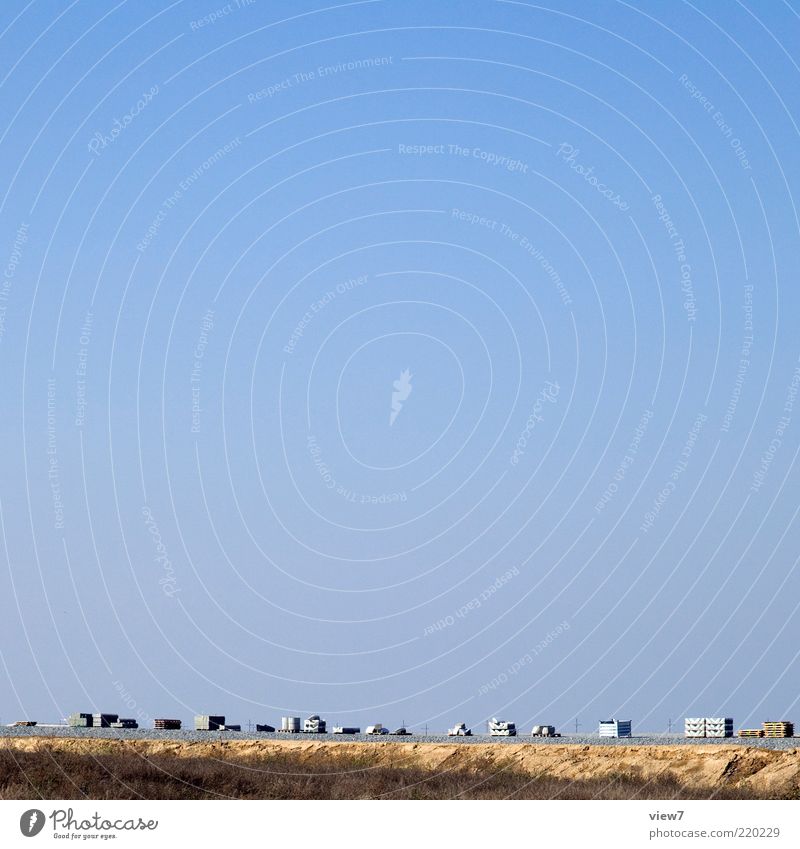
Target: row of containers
694,727
314,724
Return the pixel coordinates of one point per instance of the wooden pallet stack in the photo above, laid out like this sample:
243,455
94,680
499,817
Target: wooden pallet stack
167,724
778,729
751,732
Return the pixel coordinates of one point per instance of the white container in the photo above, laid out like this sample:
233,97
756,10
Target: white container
615,728
290,724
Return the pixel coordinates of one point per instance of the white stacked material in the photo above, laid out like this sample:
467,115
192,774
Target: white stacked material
314,725
719,726
543,731
376,729
694,727
615,727
80,720
501,728
125,723
290,724
344,729
103,720
459,730
207,722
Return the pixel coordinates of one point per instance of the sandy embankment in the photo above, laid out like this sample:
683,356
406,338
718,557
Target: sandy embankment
765,772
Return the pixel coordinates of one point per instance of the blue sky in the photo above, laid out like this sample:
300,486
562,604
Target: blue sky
228,230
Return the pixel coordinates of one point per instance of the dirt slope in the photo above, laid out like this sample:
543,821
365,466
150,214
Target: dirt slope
762,771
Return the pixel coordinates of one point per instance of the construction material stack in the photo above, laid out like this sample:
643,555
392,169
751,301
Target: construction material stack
501,728
345,729
544,731
778,729
80,720
209,723
376,729
459,730
103,720
694,727
167,724
125,723
709,726
314,725
751,732
290,724
615,728
268,729
719,726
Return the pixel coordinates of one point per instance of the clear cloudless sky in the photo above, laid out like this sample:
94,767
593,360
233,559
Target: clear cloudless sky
226,231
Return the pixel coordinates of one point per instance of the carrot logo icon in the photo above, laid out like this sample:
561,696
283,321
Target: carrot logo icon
31,822
402,389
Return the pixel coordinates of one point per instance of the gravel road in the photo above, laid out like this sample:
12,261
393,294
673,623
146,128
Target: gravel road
572,739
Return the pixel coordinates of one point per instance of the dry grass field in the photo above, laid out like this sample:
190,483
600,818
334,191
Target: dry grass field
59,769
61,775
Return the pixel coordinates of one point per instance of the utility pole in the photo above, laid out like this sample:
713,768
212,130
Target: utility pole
249,725
669,725
426,729
576,725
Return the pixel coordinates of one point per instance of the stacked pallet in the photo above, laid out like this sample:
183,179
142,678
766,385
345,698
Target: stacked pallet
615,728
80,720
208,723
167,724
103,720
501,728
719,726
778,729
125,723
708,726
751,732
314,725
